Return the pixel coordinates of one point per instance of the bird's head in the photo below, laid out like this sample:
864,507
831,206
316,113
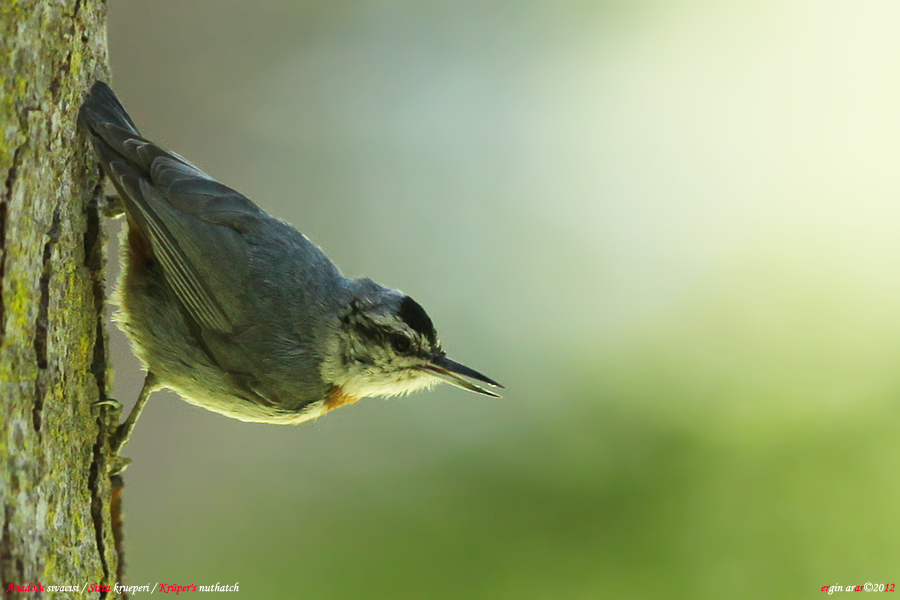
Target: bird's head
387,346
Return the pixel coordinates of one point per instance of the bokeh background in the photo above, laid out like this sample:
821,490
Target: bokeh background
671,228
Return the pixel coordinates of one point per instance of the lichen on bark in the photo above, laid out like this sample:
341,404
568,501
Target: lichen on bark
54,494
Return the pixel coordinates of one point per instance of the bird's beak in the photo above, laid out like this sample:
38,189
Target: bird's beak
453,373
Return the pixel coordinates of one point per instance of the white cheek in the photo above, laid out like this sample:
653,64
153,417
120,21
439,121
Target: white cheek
363,381
385,385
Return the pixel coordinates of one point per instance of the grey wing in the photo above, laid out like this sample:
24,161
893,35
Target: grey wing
195,225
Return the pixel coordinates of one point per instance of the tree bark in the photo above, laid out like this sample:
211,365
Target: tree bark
55,496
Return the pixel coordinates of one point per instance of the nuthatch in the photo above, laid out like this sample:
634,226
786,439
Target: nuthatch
239,312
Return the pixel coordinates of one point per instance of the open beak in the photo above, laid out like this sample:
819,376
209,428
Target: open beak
454,373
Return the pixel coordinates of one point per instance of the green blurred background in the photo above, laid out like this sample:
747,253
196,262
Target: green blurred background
671,228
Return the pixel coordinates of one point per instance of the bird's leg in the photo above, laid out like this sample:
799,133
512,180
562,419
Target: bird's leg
112,206
123,431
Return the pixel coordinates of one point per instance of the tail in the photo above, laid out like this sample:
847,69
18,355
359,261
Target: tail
113,134
101,107
126,156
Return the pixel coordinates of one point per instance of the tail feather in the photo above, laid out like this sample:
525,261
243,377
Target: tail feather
116,138
102,106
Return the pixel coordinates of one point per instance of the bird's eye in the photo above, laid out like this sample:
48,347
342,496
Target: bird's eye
400,343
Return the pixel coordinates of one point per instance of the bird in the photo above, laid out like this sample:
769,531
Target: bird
236,310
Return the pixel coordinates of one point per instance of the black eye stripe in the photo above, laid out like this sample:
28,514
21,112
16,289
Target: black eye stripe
400,343
372,332
384,335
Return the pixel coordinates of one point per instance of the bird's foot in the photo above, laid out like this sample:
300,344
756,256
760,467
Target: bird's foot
112,207
110,417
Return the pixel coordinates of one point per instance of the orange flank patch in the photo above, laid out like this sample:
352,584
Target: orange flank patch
337,399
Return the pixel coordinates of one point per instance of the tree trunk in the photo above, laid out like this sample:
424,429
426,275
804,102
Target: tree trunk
55,514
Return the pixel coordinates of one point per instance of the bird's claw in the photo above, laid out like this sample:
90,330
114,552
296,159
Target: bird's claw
109,402
112,415
117,463
112,206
